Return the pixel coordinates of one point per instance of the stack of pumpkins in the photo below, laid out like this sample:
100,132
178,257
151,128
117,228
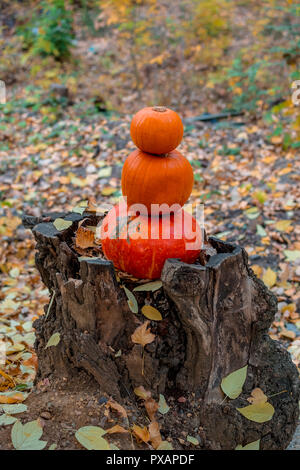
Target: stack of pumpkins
153,175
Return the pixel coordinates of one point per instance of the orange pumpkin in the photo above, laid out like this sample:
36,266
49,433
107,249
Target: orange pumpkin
156,130
140,245
151,179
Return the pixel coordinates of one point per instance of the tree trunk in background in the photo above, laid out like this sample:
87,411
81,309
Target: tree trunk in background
216,316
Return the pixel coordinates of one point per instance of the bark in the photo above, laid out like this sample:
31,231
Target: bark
216,316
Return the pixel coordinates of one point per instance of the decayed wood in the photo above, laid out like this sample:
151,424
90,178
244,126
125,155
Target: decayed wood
215,320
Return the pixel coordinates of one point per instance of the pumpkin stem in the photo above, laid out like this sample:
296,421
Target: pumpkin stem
160,109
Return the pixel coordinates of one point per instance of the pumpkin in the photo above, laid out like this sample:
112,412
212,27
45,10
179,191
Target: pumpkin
140,245
156,130
151,179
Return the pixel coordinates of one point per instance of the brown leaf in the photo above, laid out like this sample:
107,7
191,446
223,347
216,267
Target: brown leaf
116,429
257,397
115,406
84,238
141,434
151,406
155,436
92,205
142,335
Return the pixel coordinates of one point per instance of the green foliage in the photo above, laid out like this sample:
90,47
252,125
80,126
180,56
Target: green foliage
50,31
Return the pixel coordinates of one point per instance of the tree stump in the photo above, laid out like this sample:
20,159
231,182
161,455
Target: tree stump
216,315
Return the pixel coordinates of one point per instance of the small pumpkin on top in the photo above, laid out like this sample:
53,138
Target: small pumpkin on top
156,130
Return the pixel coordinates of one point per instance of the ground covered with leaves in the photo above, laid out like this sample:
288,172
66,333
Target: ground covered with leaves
249,187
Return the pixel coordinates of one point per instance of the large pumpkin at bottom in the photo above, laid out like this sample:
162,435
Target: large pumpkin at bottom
140,245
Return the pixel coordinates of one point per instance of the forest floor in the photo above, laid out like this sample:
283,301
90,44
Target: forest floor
249,186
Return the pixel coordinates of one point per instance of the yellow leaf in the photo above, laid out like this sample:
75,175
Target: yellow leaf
260,413
283,225
269,277
142,335
257,270
284,171
108,191
152,313
61,224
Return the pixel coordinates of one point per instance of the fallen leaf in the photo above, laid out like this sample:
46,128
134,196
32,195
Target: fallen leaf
108,191
115,406
142,393
142,434
251,446
61,224
257,396
162,404
15,397
142,335
155,436
269,277
152,313
14,409
151,407
260,413
91,438
84,238
5,420
165,445
132,302
150,286
232,385
283,225
116,429
27,436
292,255
287,334
53,341
192,440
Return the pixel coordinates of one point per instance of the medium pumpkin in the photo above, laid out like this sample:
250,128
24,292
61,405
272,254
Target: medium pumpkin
156,130
151,179
130,247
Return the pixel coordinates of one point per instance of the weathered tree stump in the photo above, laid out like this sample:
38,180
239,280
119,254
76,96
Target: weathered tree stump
216,316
